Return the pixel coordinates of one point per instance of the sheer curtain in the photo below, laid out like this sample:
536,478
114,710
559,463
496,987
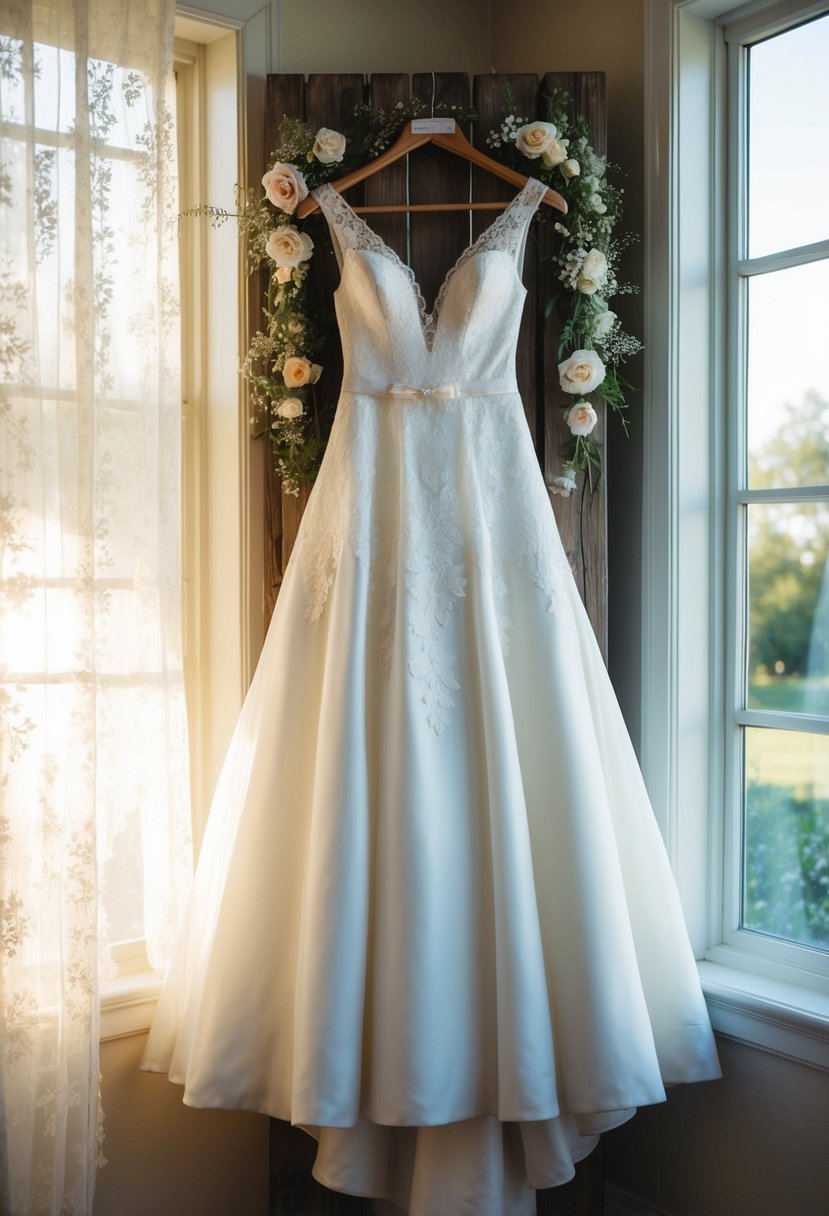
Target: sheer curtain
94,808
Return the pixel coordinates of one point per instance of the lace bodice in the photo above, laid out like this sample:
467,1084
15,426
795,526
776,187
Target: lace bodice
430,493
382,312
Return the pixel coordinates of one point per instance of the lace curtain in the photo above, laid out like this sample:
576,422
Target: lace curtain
94,809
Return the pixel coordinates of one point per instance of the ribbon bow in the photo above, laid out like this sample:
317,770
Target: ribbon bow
444,392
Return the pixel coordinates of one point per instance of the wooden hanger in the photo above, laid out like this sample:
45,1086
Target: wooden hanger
454,141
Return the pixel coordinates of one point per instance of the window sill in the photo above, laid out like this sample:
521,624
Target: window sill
128,1004
769,1014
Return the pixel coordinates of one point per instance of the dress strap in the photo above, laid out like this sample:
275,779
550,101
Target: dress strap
348,230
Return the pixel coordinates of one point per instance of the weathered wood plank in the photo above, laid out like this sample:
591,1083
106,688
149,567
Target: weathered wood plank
285,94
488,94
386,90
292,1190
582,518
435,176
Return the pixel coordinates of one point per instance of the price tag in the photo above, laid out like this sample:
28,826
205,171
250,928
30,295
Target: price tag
433,126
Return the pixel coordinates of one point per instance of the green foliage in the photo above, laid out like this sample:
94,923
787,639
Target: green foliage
787,864
789,551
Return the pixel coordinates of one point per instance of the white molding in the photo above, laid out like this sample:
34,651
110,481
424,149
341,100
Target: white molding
784,1019
764,18
128,1005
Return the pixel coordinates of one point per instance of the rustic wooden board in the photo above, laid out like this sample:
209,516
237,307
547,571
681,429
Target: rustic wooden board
582,518
488,98
438,239
386,90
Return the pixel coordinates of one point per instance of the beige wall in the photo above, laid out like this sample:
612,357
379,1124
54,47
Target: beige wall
165,1159
383,36
752,1145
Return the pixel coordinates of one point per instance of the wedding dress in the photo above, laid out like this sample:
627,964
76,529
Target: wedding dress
433,920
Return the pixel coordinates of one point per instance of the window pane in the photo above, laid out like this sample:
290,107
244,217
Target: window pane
786,879
788,377
788,596
788,126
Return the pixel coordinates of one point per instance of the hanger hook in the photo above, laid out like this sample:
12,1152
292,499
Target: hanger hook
434,89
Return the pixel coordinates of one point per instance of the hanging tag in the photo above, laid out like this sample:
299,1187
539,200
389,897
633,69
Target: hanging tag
433,126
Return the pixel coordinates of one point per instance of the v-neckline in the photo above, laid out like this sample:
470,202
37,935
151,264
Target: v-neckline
428,320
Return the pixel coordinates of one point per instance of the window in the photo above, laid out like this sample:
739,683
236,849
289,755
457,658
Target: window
735,683
777,521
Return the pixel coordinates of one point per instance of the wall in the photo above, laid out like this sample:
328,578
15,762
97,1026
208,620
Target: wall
753,1144
166,1159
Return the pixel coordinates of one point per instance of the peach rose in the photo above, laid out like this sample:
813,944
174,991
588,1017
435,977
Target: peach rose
534,138
297,371
288,246
582,372
582,418
285,187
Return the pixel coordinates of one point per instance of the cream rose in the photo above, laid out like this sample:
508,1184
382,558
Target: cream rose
592,272
291,407
285,187
603,324
283,273
329,146
288,246
534,138
297,371
571,168
582,372
555,153
582,418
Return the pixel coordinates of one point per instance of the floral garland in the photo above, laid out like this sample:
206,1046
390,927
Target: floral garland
280,364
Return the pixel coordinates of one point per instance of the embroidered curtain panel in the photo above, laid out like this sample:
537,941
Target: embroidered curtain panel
93,751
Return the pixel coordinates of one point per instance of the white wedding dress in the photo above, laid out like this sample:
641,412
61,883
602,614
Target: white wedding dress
433,920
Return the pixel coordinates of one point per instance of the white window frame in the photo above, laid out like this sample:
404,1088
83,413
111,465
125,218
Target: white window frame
763,996
221,532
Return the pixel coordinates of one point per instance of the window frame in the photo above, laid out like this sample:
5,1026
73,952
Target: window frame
760,996
218,618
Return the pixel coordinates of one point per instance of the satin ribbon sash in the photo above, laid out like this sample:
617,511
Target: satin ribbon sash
439,392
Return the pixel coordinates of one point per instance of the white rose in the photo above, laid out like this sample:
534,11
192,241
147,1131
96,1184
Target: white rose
555,153
285,187
288,246
291,407
582,418
329,146
592,273
596,204
603,324
582,372
571,168
297,371
534,138
283,273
